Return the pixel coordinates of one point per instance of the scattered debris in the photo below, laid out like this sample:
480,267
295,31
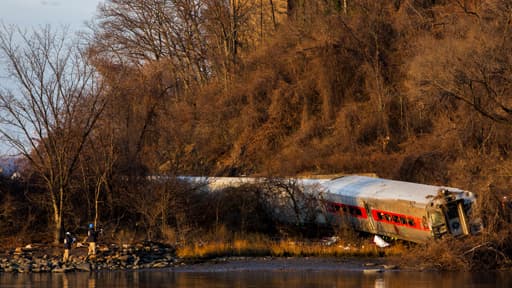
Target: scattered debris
328,241
380,242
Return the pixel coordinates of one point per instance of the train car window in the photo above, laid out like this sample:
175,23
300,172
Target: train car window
399,219
355,211
452,213
348,209
436,218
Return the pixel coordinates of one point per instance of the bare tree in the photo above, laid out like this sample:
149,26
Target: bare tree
228,23
291,201
96,166
153,55
48,107
471,62
141,31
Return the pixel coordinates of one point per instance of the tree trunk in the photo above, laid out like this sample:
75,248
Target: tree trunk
57,221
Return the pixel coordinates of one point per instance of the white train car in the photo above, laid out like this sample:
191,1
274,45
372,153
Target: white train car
404,210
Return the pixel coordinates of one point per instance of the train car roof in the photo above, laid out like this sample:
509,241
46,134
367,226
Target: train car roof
378,188
218,183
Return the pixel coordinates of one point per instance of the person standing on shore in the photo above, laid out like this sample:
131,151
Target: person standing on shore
92,236
68,242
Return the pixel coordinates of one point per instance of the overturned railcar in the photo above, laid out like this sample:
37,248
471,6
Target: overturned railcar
403,210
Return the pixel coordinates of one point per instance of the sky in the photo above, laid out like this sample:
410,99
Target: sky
33,13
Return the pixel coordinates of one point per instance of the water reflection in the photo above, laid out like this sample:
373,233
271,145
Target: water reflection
380,283
91,283
307,278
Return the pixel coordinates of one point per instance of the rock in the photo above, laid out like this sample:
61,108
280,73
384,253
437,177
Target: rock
125,258
136,260
58,270
63,269
93,266
25,268
83,267
160,265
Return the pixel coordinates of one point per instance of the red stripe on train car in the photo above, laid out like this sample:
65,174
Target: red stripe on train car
400,219
355,211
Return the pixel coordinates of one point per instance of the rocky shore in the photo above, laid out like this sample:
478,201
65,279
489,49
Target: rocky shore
38,258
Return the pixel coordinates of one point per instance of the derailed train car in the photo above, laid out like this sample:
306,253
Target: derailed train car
397,209
404,210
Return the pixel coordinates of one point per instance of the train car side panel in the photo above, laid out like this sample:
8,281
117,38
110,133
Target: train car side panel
396,219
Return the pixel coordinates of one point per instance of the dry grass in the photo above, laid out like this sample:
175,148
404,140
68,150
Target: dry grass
255,245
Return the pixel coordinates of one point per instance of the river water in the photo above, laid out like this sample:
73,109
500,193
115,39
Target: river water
259,278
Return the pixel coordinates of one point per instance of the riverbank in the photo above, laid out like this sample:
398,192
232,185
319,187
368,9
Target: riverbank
40,259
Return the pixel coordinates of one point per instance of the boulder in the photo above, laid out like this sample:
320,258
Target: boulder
58,270
25,268
161,264
83,267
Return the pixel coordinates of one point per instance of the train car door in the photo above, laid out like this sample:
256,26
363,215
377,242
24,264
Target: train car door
456,218
372,228
453,219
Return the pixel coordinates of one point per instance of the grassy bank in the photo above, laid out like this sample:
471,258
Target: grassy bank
253,246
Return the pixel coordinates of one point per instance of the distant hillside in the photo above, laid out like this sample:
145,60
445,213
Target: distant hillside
8,165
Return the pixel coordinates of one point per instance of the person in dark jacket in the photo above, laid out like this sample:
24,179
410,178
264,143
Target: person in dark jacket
68,243
92,237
